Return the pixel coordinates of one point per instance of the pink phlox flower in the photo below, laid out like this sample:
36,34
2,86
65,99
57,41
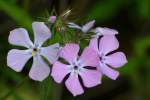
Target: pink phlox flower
108,62
77,67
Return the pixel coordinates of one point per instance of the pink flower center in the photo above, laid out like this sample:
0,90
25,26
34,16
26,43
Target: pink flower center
102,58
75,67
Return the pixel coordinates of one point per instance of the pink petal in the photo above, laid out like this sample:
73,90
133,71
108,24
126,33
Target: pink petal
41,32
20,37
88,26
105,31
109,72
70,52
40,70
89,57
116,60
59,71
108,43
94,44
73,85
50,52
16,59
91,78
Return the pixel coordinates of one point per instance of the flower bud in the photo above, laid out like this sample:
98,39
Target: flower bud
52,19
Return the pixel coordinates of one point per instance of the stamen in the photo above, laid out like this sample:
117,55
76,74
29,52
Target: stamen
34,51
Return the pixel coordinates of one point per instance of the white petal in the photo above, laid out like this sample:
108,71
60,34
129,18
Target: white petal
73,25
17,59
87,27
20,37
41,32
51,52
40,70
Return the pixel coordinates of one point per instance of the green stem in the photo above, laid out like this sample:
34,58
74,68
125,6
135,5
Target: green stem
57,92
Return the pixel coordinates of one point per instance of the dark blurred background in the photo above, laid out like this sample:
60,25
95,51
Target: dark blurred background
130,17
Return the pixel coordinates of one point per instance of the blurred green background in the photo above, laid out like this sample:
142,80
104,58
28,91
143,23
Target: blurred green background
130,17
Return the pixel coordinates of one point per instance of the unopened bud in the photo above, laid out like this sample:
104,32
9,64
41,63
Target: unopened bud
52,19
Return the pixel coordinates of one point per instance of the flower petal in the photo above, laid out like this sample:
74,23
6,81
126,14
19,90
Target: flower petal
105,31
91,78
89,57
88,26
94,44
108,43
116,60
73,85
14,61
40,70
109,72
73,25
51,52
41,32
20,37
70,52
59,71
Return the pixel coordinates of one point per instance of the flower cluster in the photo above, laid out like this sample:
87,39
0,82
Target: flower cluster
67,63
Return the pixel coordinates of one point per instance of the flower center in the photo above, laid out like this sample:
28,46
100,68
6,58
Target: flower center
34,51
76,67
102,58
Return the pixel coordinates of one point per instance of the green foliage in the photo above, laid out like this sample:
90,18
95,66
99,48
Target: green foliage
143,7
102,11
19,15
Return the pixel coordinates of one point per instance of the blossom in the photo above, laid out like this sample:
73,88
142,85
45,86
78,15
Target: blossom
77,67
107,62
17,59
52,19
99,31
85,28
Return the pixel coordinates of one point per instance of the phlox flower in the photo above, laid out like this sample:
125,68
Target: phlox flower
17,59
107,62
85,28
77,67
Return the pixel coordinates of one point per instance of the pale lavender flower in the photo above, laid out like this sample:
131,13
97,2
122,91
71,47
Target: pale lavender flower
85,28
52,19
106,45
17,59
101,31
77,67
